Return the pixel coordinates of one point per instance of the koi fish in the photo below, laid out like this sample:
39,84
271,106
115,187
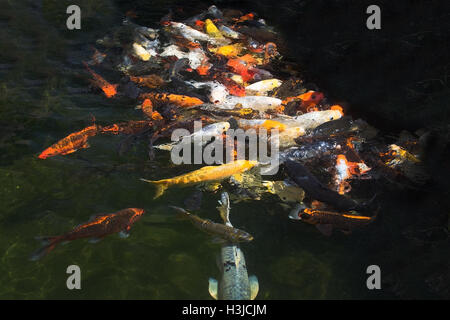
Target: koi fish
203,136
286,138
260,123
177,99
326,221
98,227
129,127
140,52
150,81
242,68
263,86
235,284
227,233
316,190
308,100
218,92
71,143
345,170
229,51
208,173
310,150
110,90
311,120
192,34
230,33
212,30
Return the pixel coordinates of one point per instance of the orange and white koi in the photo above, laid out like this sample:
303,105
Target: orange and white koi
345,170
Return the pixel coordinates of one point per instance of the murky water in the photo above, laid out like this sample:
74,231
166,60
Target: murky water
44,96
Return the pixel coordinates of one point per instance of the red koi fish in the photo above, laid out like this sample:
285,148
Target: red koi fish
110,90
241,67
71,143
96,228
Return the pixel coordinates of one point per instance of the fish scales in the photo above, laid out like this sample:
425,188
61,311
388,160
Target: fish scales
234,284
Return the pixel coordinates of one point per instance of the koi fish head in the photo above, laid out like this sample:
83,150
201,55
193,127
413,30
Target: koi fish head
311,98
307,216
338,108
242,236
49,152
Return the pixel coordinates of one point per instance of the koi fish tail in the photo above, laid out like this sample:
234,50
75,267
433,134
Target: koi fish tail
49,244
161,186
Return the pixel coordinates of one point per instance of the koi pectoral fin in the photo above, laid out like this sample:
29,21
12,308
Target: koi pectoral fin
213,288
325,229
254,287
124,234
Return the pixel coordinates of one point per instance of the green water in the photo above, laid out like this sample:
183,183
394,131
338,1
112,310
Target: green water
43,98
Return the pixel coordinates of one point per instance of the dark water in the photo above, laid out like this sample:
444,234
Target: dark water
44,96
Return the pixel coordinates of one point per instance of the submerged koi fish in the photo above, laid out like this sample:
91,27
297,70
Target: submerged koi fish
96,228
177,99
326,221
110,90
225,232
235,284
208,173
150,81
201,137
286,191
71,143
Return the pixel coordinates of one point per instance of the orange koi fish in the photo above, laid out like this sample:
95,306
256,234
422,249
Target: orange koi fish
240,67
96,228
177,99
110,90
326,221
71,143
151,81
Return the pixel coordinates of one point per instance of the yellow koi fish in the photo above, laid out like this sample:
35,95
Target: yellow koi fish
208,173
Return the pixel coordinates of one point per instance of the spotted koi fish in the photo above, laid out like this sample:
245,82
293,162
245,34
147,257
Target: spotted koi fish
71,143
96,228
